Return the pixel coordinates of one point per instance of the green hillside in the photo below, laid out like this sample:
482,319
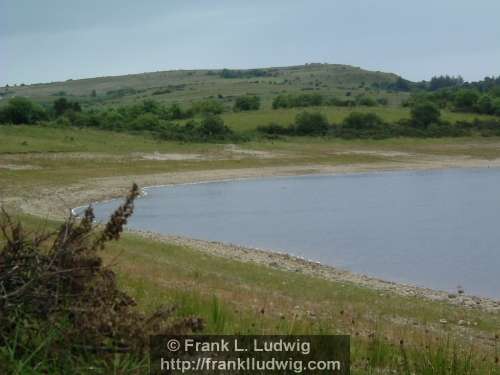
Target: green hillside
184,86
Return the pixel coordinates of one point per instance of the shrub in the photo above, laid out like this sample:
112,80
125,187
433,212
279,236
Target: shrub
175,112
146,121
364,125
250,73
58,300
341,103
362,121
63,105
366,101
247,103
208,106
276,129
20,110
496,107
485,105
112,120
297,100
383,101
424,113
465,100
307,123
213,127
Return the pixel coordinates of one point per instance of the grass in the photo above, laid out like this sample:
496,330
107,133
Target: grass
388,332
235,297
28,139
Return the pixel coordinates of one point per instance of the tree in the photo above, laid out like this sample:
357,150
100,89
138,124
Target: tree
466,100
401,84
485,105
425,113
212,126
63,105
20,110
307,123
440,82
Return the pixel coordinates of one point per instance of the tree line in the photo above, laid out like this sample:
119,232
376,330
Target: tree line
425,121
292,100
147,116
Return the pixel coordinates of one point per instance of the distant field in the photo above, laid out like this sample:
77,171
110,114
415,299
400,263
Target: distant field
246,121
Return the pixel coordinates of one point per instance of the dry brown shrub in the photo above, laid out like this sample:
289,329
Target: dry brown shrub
58,278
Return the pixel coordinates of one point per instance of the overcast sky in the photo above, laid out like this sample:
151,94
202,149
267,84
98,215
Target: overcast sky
53,40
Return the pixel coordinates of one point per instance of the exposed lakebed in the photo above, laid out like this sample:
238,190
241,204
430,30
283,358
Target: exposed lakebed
437,229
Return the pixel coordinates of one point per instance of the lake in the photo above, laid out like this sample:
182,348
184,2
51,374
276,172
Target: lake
437,229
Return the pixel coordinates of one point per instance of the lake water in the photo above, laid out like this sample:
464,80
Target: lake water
437,229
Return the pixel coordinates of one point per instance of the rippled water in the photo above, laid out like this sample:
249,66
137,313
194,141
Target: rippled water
438,229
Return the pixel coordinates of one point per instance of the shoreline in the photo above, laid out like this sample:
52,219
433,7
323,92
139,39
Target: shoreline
109,188
57,202
291,263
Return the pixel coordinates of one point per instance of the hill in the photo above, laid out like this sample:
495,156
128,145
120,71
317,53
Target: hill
185,86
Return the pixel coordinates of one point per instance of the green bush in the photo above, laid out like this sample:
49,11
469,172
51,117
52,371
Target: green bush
20,110
276,129
63,105
363,125
466,100
362,121
210,128
485,105
247,103
208,106
311,123
146,121
367,101
496,107
297,100
424,113
383,101
213,127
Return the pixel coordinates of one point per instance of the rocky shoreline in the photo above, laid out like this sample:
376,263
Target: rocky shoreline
290,263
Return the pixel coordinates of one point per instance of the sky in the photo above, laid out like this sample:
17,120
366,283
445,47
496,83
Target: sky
55,40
